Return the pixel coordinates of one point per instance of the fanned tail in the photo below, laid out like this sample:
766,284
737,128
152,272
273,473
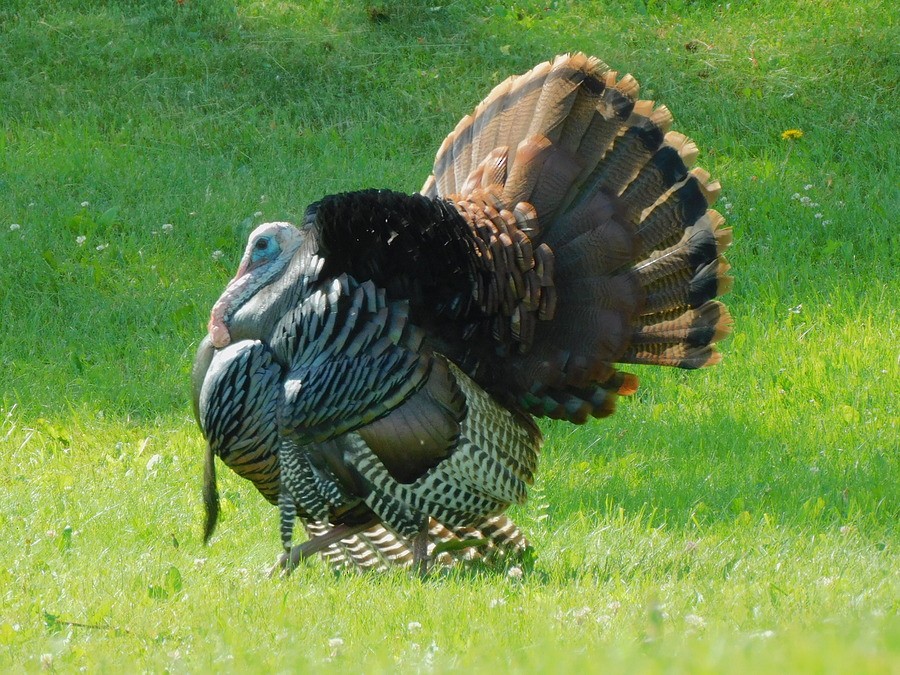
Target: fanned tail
592,187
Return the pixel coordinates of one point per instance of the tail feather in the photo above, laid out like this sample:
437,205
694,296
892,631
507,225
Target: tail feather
696,247
703,286
665,222
678,356
460,150
611,112
628,154
524,96
488,120
533,152
699,327
542,177
581,113
594,249
558,94
613,195
663,170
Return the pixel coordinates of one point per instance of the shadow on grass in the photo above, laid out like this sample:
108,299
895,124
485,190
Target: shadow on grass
684,475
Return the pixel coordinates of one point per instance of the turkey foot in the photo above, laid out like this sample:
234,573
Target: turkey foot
286,563
458,545
421,559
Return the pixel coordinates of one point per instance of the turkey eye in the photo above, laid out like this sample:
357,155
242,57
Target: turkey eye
262,244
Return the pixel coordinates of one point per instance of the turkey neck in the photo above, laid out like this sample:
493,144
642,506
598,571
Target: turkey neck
256,318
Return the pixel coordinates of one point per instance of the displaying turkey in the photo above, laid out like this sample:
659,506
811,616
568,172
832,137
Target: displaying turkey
388,355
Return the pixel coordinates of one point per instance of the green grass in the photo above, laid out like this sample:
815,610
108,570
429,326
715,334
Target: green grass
741,519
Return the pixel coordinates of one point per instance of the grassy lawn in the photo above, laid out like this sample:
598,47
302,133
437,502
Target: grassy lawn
739,519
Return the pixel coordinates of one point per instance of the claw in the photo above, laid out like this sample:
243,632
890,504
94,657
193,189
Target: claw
280,565
289,561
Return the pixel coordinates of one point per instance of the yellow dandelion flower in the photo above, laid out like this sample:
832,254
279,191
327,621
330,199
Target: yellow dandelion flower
791,134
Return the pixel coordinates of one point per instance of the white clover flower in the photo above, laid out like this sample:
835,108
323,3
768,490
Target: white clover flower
14,227
808,186
80,239
515,572
818,215
217,255
257,214
335,643
85,204
796,195
826,222
694,620
153,461
762,635
580,612
413,626
102,246
167,227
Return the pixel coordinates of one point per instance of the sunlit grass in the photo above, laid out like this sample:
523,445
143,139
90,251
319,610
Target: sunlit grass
741,519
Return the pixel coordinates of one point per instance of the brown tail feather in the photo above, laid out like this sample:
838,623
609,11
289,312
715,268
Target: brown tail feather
699,327
678,355
533,152
628,154
612,194
581,113
609,115
525,95
558,94
487,122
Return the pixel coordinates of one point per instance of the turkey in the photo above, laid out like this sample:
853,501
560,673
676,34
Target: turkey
396,348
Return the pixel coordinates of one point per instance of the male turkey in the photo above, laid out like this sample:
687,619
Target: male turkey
399,345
